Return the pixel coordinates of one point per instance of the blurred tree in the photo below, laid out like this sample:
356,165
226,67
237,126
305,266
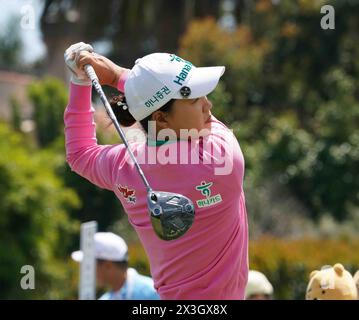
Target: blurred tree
314,73
130,28
16,114
301,53
35,228
320,164
10,46
239,51
49,98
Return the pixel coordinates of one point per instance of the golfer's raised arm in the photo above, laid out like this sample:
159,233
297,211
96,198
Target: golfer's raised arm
92,161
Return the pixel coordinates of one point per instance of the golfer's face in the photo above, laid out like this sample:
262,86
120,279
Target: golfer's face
189,114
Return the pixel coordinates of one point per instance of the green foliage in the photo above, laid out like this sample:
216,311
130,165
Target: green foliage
322,168
49,98
221,98
34,226
10,45
16,115
42,201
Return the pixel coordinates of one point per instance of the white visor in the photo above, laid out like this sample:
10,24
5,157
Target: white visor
202,82
159,77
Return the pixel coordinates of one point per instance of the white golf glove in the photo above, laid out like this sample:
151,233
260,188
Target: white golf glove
78,75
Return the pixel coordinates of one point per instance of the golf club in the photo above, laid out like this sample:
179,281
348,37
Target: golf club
171,214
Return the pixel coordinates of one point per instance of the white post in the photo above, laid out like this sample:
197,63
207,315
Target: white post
87,286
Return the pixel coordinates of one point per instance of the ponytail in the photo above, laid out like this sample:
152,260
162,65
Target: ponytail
120,109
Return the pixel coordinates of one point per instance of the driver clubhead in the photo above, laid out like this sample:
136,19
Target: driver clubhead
172,214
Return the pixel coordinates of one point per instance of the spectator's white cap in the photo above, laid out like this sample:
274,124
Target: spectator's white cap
108,246
258,284
159,77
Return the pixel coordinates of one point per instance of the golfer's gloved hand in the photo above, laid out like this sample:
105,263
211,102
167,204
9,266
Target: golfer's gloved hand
78,74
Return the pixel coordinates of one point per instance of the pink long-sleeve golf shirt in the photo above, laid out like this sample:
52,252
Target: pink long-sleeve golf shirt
211,260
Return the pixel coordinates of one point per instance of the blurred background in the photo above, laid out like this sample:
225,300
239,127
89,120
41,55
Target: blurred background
290,93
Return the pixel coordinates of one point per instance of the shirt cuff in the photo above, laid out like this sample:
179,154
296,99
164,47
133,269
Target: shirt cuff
80,96
122,80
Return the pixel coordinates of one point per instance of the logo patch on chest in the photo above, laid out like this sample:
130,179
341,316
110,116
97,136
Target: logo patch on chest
205,190
128,194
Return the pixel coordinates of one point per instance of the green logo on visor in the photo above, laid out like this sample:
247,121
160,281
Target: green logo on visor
182,76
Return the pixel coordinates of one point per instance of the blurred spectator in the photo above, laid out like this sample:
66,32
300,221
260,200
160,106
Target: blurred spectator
112,270
258,286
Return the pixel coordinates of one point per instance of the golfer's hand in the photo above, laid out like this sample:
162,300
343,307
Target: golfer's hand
107,72
71,54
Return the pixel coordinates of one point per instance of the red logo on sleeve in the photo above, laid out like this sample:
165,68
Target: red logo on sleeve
128,194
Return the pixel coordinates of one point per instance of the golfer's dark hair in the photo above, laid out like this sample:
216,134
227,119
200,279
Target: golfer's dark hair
124,117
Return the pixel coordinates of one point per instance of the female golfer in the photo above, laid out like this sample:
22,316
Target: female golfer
188,152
